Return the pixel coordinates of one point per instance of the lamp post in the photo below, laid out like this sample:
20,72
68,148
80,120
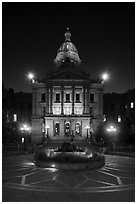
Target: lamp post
87,128
25,129
111,130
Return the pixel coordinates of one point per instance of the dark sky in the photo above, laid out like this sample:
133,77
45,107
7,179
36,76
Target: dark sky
103,33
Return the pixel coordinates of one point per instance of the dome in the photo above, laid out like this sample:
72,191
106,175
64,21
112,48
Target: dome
67,52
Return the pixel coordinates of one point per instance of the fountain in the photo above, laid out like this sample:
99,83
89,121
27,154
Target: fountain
68,156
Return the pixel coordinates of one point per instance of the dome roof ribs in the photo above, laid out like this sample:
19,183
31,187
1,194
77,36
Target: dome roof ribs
67,52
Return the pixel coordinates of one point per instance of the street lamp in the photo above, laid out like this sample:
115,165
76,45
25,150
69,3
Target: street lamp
111,128
31,77
105,76
87,127
25,129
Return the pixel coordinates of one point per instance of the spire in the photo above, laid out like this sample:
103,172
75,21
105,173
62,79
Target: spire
67,35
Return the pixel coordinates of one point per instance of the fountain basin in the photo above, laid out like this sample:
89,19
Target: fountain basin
71,165
68,158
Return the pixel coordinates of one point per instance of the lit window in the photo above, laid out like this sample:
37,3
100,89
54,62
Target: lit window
43,127
77,128
15,117
104,118
77,111
57,110
57,128
132,105
119,119
67,111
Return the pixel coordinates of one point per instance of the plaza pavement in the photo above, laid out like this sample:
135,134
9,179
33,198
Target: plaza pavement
24,182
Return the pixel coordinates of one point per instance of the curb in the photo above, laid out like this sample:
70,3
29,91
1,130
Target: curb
121,154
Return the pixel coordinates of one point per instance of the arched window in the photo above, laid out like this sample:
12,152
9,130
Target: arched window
78,128
67,128
57,129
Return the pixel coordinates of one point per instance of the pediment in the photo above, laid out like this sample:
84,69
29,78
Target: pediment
67,72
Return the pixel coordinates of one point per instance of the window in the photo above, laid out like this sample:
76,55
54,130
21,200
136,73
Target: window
43,111
15,117
77,111
104,118
77,128
29,106
119,119
91,111
77,98
57,129
67,128
67,97
43,127
67,111
91,98
131,105
57,110
57,97
43,97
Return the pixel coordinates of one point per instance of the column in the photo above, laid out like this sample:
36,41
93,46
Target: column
51,100
83,100
47,101
101,103
72,99
87,100
34,102
62,98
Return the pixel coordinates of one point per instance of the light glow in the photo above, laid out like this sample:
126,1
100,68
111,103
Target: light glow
15,117
30,76
119,119
25,127
132,105
111,129
87,127
105,76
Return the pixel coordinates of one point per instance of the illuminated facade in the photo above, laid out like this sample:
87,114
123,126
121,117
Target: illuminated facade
67,100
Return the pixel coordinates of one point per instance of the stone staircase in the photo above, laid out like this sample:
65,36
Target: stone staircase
58,143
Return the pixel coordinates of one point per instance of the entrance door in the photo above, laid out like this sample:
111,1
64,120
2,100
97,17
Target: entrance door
57,129
78,129
67,129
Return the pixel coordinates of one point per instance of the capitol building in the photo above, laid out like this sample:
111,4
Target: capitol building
66,101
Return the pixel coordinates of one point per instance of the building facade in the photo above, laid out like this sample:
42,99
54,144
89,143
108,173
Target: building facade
119,110
66,101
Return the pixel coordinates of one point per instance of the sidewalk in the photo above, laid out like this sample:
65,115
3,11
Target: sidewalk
126,154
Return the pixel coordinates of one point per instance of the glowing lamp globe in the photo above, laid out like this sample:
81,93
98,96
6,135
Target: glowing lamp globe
30,76
105,76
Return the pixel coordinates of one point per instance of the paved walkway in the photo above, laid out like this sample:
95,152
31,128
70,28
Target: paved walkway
23,181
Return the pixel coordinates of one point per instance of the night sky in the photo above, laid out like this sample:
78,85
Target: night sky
103,33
